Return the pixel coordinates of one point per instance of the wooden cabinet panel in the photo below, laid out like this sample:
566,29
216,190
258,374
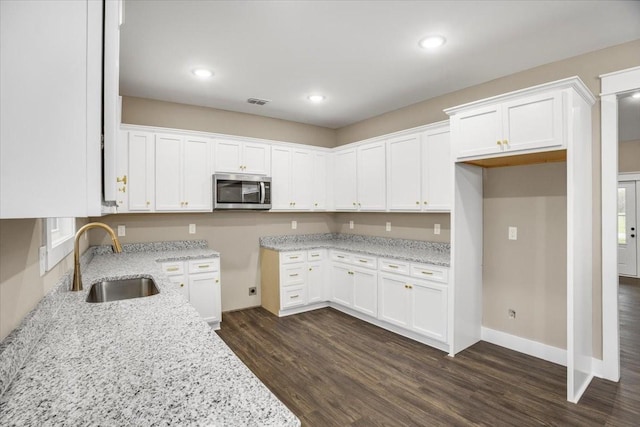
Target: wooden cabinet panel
168,173
345,186
140,175
404,173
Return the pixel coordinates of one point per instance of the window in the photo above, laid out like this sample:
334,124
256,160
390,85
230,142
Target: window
58,237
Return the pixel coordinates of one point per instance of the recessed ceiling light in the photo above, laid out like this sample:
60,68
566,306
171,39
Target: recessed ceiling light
316,98
202,72
636,95
432,42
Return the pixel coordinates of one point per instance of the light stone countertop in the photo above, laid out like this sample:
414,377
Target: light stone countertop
143,361
433,253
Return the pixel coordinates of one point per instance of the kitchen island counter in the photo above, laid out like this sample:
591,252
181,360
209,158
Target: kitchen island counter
142,361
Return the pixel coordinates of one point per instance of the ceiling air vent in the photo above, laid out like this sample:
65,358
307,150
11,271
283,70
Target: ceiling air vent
257,101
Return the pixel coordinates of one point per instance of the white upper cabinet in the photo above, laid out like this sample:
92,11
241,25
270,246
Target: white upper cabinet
404,160
523,124
242,157
182,173
437,169
137,183
420,171
319,183
344,179
371,177
292,178
360,178
50,108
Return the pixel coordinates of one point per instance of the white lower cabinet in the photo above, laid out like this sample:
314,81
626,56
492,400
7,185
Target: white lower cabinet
199,282
404,297
417,305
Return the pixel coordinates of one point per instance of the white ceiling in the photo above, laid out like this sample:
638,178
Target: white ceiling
362,55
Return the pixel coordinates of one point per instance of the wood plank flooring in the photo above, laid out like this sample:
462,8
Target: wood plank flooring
334,370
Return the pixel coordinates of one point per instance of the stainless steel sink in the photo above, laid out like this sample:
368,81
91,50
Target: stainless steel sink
114,290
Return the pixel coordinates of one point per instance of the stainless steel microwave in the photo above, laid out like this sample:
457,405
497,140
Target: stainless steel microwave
241,192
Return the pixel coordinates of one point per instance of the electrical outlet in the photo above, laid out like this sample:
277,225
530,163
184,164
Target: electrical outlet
350,225
388,228
512,313
122,231
192,229
436,228
253,290
294,225
513,233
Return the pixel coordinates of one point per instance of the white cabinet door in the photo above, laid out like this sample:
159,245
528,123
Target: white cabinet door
478,132
320,183
341,284
404,173
281,178
371,177
203,295
345,188
50,108
227,156
168,172
429,309
315,282
365,291
437,170
393,300
301,178
140,177
533,122
196,187
256,158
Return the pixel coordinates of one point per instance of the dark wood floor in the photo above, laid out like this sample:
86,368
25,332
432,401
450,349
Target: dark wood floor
333,370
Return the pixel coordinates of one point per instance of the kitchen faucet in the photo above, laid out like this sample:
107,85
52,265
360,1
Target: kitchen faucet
76,284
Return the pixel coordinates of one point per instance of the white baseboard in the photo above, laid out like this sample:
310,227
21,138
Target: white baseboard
535,349
526,346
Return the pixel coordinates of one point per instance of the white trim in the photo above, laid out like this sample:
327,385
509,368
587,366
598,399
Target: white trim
611,85
526,346
628,176
574,82
56,251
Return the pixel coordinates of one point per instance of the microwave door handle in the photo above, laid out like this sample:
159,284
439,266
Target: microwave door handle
262,193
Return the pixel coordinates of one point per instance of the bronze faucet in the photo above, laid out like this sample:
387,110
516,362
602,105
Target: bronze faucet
76,284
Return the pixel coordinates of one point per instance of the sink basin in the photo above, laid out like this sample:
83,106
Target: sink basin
114,290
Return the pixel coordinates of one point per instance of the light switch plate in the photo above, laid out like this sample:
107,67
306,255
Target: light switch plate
192,229
294,225
436,228
513,233
350,225
388,228
121,231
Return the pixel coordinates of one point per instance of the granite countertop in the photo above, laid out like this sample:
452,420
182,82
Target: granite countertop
144,361
433,253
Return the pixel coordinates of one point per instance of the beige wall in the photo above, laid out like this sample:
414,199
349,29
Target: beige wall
150,112
528,274
629,156
414,226
21,287
234,234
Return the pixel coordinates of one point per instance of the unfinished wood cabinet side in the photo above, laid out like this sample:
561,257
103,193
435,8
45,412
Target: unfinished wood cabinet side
270,280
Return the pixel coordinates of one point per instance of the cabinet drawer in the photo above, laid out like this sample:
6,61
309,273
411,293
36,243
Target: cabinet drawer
316,255
365,261
430,272
393,266
203,265
341,256
291,257
292,296
173,268
293,274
